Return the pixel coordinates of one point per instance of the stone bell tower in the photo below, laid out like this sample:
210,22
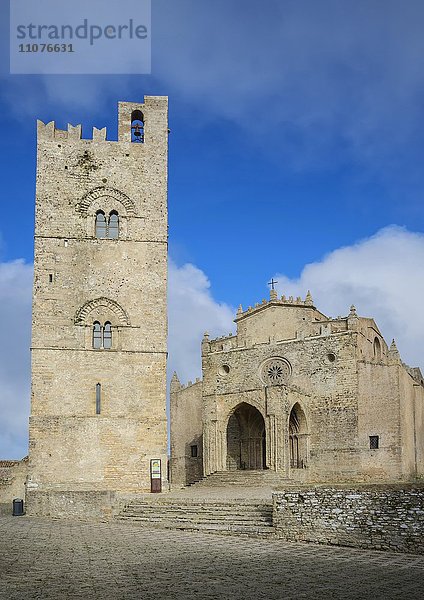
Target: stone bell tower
99,329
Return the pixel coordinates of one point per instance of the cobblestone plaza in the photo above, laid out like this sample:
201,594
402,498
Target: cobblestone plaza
42,559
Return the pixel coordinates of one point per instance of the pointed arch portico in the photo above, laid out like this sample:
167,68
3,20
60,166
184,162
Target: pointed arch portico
246,439
229,417
242,418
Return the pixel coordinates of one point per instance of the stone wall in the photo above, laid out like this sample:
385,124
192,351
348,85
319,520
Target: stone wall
82,505
186,462
12,483
377,517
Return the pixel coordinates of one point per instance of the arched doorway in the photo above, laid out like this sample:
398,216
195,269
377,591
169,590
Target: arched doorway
246,439
298,438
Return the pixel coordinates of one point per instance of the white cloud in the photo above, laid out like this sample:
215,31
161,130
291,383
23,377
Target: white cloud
192,311
383,276
15,310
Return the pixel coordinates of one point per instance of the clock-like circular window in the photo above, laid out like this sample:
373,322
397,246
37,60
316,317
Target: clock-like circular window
275,371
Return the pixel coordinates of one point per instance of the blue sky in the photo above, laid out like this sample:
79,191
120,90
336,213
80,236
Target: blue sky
297,131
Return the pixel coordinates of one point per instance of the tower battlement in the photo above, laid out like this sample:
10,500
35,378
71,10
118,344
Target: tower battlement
48,131
150,111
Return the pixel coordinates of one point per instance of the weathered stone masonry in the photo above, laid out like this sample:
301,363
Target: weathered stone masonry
385,518
98,407
310,397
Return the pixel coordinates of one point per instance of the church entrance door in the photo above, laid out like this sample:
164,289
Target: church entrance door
246,439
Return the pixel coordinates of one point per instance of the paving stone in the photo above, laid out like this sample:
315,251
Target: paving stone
45,559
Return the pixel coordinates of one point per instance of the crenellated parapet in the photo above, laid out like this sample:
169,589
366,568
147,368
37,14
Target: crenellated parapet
189,384
274,300
223,343
48,131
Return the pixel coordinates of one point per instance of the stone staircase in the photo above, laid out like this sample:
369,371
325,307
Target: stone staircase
229,502
251,518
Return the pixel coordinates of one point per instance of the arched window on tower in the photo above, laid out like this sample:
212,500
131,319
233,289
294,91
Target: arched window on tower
107,336
101,224
377,349
97,335
113,226
102,336
137,126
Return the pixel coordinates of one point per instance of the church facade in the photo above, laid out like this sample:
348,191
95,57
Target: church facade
312,398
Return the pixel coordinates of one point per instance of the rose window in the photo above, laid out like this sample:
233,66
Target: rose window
275,372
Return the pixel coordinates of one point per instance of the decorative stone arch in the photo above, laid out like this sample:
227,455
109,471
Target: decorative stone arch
88,307
298,434
246,438
250,401
102,191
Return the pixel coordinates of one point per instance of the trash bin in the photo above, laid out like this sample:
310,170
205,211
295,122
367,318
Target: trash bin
18,507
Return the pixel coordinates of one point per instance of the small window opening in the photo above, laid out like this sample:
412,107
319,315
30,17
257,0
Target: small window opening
65,243
113,229
98,398
100,224
107,228
97,335
374,442
102,335
107,336
137,127
193,450
51,278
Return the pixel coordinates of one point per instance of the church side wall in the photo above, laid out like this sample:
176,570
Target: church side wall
186,433
419,428
408,434
379,414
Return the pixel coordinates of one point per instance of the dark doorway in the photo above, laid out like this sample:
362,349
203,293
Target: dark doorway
246,448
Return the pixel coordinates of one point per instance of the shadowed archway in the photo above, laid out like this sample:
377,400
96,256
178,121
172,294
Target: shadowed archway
246,439
298,438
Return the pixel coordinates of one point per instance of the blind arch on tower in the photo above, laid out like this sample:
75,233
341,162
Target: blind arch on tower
81,316
86,201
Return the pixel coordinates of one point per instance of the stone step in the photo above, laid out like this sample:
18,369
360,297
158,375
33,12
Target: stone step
242,479
199,507
198,517
211,519
198,513
229,517
254,530
149,512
